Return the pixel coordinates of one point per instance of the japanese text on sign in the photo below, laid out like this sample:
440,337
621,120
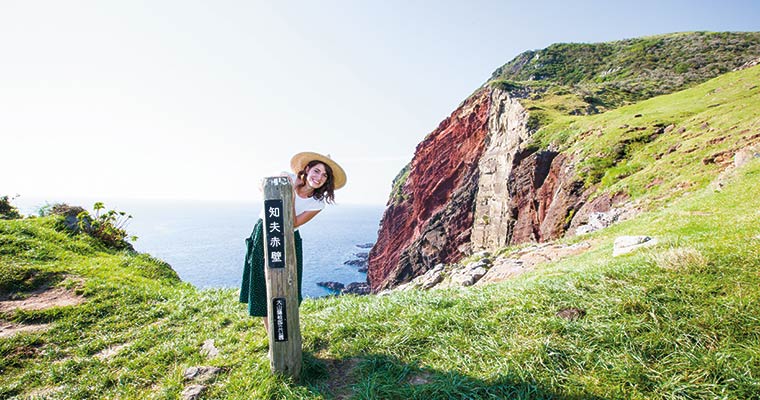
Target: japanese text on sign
280,320
273,222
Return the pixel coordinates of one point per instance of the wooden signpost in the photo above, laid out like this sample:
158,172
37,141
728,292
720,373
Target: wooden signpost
281,276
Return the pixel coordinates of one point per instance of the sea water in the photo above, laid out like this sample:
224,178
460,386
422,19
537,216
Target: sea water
205,241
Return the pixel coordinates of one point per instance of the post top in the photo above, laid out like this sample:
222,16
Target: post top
277,180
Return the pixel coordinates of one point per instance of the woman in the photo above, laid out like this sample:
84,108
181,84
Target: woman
315,180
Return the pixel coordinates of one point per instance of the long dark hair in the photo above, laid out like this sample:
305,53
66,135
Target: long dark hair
325,192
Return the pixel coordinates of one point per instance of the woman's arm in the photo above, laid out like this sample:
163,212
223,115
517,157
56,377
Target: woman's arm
304,217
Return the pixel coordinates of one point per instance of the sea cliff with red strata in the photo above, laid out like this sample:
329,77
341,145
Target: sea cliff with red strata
431,219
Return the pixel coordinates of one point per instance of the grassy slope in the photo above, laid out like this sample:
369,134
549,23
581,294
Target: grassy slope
679,320
622,152
607,75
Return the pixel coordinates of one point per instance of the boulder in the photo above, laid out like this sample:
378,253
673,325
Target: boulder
430,278
471,273
744,156
193,392
599,220
357,288
627,244
332,285
469,277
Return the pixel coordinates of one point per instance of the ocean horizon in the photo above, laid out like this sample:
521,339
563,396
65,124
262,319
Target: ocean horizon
204,241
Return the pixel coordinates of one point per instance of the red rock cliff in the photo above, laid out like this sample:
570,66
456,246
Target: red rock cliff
472,186
543,196
432,220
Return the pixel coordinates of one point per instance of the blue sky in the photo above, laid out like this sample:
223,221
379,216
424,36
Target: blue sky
196,100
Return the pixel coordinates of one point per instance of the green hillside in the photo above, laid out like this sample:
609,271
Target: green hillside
677,320
659,148
607,75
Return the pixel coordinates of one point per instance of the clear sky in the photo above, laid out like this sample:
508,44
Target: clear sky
197,99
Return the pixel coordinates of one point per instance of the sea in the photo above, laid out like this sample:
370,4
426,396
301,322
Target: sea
204,242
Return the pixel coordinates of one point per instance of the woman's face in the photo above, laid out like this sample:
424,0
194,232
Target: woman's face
316,176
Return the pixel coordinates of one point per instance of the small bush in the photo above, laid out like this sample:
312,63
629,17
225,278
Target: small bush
7,210
59,209
108,226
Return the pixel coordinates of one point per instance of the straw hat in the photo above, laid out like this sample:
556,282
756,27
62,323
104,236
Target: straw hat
299,161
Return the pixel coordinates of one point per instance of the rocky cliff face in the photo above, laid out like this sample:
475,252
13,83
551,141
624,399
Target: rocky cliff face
507,130
471,186
430,220
543,197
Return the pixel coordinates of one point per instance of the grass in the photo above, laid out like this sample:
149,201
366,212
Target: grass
679,320
608,75
665,146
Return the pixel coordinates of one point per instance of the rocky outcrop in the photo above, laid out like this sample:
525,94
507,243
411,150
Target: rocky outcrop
357,288
331,285
532,198
543,196
507,126
472,186
431,221
487,269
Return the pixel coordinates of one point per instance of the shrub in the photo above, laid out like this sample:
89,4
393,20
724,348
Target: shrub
106,226
7,210
59,209
69,215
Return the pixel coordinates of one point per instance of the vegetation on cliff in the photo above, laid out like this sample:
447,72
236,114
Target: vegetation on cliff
397,192
659,148
589,78
615,73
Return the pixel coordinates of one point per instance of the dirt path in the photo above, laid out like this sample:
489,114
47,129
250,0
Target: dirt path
41,299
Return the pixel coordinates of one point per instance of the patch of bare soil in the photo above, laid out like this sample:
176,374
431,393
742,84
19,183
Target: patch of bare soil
422,378
8,329
40,299
44,393
340,376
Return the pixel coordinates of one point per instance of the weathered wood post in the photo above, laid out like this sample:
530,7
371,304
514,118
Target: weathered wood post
281,276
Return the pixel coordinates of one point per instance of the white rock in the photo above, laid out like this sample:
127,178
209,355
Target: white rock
201,374
627,244
468,275
208,349
192,392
